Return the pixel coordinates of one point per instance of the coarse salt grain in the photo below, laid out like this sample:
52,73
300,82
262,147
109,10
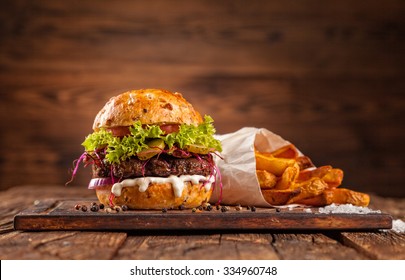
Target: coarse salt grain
308,210
346,208
398,226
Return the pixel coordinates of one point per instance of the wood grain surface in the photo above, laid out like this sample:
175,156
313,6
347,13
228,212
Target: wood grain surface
329,77
192,245
52,214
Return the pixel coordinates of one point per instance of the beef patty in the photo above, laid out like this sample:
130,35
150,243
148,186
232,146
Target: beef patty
159,166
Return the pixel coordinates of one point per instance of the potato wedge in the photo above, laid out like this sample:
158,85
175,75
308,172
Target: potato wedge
333,177
319,172
274,165
315,201
279,197
310,188
304,162
288,151
343,196
288,178
338,196
266,179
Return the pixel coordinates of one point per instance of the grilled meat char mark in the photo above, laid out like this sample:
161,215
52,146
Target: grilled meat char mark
158,166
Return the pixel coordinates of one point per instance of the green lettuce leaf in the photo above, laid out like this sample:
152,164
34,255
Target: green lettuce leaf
119,149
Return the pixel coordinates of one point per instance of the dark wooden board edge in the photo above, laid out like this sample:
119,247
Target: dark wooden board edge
61,216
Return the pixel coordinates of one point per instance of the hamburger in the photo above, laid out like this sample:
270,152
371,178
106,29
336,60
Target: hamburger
151,149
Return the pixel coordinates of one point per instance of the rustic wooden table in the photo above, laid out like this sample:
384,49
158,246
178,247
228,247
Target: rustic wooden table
228,244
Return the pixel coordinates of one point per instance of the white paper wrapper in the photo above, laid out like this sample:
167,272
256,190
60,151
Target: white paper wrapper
238,166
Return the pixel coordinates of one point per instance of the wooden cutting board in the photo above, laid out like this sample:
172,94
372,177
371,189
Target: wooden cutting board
62,215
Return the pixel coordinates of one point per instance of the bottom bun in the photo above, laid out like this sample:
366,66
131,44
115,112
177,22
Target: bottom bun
157,196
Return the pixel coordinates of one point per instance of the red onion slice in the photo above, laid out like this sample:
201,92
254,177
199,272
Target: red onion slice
99,182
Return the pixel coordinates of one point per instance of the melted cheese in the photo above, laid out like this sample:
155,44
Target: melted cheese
176,181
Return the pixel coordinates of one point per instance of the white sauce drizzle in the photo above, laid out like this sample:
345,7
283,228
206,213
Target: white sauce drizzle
176,181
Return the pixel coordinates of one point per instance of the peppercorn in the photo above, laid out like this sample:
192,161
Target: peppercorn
209,207
164,210
84,208
278,210
117,208
218,207
94,208
248,207
78,206
182,207
101,206
205,205
253,209
200,208
238,207
224,209
124,207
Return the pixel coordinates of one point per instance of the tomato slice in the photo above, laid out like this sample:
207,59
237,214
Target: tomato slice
170,128
119,131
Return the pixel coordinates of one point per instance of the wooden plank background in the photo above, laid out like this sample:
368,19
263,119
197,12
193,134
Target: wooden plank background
326,75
